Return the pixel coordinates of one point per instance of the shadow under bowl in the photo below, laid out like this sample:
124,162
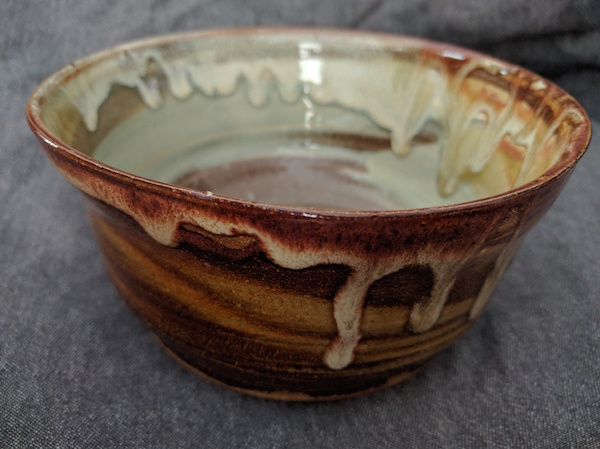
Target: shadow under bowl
307,214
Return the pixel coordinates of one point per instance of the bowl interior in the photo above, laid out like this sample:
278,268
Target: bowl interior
321,120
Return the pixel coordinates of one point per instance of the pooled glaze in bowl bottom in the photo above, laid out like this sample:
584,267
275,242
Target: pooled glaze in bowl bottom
307,214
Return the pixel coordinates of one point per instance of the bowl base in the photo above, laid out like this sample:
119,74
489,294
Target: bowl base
296,396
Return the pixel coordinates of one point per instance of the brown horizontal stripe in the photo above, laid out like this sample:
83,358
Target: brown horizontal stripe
348,140
300,396
209,339
240,302
328,383
205,310
369,352
192,332
406,338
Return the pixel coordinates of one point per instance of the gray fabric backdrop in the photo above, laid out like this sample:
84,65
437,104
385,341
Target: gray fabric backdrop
78,370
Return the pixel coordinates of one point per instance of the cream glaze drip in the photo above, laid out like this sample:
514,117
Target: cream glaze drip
469,135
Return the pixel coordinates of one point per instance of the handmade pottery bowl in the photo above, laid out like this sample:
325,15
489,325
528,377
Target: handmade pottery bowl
307,214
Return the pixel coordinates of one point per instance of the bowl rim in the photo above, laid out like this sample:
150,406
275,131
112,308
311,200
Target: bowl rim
576,145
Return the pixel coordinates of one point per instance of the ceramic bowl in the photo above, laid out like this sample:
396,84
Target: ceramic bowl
307,214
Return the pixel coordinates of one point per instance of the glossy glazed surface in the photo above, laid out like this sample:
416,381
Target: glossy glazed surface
301,295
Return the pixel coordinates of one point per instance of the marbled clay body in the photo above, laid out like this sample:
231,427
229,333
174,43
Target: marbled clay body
373,193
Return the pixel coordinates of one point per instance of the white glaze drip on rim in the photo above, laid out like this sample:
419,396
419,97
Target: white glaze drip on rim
402,97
